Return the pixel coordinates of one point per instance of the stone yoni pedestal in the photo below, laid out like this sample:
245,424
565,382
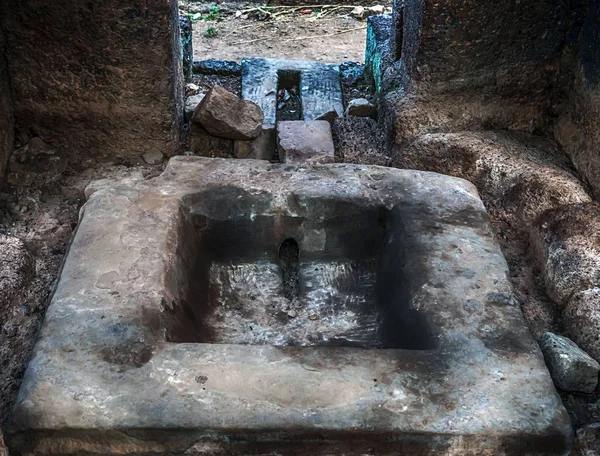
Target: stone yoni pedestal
392,329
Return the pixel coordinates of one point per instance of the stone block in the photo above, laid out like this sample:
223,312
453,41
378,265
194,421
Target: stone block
171,318
225,115
359,140
300,141
571,368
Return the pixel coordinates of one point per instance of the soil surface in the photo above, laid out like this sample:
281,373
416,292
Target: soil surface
332,38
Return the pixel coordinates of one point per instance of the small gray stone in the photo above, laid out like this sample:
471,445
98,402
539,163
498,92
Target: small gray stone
571,368
329,116
360,107
191,104
153,157
225,115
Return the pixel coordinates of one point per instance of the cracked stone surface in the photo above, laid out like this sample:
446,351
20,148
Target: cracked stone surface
150,346
300,141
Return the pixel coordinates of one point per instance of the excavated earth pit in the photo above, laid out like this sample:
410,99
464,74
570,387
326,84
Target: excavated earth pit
241,307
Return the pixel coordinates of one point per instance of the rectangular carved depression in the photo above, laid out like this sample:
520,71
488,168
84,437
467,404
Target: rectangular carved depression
237,307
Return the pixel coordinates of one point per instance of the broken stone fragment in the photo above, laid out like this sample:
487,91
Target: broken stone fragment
301,141
358,12
191,89
571,368
153,157
329,116
191,103
225,115
360,107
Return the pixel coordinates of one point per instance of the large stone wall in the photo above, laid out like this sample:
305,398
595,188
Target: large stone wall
578,127
472,64
6,111
101,78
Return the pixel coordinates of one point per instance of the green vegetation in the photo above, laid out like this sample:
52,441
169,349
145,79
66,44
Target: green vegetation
210,32
212,15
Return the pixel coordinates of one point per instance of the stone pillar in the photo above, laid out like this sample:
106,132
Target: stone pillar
102,78
6,111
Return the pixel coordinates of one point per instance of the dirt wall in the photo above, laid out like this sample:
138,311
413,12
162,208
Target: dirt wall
6,110
478,64
578,126
100,78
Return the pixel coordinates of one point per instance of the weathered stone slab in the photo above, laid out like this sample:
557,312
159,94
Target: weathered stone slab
172,330
300,141
225,115
320,89
571,368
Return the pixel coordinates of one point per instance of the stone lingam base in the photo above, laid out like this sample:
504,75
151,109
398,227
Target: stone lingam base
237,307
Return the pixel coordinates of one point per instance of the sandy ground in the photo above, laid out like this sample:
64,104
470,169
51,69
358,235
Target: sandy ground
295,37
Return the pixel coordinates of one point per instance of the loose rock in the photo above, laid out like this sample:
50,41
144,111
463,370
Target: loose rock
191,103
358,12
153,157
571,368
360,107
225,115
329,116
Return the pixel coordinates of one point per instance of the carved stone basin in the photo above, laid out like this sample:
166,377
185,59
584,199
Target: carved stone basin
239,307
